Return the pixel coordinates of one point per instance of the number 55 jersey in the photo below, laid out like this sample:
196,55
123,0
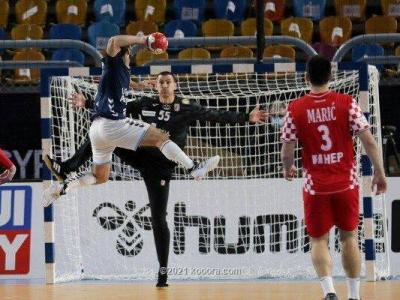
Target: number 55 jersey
324,125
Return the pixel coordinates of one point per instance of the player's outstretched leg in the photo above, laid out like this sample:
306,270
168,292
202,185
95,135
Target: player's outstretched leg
52,193
158,138
200,169
57,189
55,167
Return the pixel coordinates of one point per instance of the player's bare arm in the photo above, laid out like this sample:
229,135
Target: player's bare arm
117,42
287,157
78,100
371,148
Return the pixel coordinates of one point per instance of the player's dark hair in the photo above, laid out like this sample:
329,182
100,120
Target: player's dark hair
166,73
319,70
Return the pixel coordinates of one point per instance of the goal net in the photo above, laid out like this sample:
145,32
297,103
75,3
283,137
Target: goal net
243,222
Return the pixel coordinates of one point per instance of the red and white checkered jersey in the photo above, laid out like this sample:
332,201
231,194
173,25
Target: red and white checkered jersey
324,125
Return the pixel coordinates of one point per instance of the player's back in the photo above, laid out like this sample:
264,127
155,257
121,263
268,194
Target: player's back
323,124
110,102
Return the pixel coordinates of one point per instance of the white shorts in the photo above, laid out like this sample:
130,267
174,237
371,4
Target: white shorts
106,135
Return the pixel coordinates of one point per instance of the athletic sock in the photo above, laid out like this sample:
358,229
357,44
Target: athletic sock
87,179
327,285
174,153
353,288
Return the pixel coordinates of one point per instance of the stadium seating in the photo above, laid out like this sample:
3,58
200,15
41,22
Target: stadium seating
248,27
3,36
236,52
71,11
4,11
100,32
65,31
381,24
112,11
144,56
194,53
301,28
335,30
397,51
151,10
391,8
232,10
274,10
27,32
69,54
325,50
31,11
354,9
141,28
180,28
314,9
280,51
27,75
217,27
360,51
190,10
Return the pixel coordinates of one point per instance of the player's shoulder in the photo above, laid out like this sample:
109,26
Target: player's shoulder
340,96
146,101
292,105
341,99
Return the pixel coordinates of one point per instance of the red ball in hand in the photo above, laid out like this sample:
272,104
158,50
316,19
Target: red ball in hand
157,42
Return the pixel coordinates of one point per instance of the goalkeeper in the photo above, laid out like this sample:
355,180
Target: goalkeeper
169,113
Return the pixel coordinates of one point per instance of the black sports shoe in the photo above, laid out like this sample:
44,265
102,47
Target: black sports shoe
55,168
354,299
162,280
330,296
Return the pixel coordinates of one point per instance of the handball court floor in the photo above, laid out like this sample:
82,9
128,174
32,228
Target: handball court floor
255,290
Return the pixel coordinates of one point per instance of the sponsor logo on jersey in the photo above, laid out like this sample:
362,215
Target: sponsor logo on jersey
15,229
148,113
166,106
127,223
177,107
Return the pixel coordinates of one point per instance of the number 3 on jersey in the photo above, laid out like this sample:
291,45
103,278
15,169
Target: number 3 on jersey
164,115
325,137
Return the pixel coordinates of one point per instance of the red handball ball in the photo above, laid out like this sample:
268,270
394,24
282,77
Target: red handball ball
157,42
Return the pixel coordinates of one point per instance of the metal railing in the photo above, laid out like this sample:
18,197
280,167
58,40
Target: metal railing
367,39
85,47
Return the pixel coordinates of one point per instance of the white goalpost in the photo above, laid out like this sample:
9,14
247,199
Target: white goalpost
244,221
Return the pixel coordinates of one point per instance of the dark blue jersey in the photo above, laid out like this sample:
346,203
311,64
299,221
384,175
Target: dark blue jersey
110,102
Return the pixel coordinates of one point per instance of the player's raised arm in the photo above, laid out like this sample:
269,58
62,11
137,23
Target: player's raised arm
228,117
155,42
115,43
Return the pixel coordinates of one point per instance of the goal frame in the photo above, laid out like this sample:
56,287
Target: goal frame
366,167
